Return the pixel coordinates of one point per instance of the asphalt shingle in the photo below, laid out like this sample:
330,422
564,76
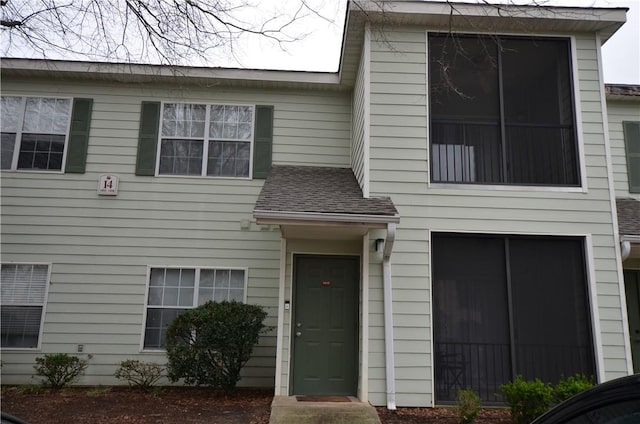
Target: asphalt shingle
628,216
318,190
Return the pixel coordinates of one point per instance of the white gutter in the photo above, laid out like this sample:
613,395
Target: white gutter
388,317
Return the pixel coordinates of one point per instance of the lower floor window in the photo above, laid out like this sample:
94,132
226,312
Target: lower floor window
174,290
24,288
507,306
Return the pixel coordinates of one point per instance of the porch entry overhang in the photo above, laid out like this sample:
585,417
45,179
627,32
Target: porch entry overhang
303,198
324,203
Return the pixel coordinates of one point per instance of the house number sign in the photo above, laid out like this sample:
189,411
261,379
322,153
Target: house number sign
108,185
326,283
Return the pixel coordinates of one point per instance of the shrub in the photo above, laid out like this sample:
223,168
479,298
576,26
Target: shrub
210,344
573,385
468,406
527,398
143,375
59,369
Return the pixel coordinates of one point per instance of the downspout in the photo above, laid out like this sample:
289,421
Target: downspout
388,317
625,249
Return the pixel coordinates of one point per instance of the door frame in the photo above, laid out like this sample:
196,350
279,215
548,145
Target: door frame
358,305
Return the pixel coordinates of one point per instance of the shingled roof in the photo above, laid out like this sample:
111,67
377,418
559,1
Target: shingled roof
628,216
318,190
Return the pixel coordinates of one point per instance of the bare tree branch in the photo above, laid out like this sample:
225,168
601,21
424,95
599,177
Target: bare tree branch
165,31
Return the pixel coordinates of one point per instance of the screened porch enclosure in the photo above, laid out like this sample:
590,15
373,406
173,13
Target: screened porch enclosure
507,306
501,111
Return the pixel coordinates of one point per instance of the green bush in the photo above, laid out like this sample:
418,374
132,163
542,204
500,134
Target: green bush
528,399
573,385
210,344
468,406
143,375
59,369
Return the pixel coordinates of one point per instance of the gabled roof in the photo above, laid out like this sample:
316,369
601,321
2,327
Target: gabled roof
628,217
319,194
444,16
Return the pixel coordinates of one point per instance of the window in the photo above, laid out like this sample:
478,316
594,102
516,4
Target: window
211,140
34,132
632,146
174,290
24,292
501,111
511,305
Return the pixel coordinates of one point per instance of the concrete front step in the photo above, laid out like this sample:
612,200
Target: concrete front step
288,410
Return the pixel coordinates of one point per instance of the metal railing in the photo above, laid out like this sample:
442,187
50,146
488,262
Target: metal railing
484,367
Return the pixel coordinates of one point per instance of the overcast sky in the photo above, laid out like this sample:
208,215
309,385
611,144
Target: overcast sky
320,50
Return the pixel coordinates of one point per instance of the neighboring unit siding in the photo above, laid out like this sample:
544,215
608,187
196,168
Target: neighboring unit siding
399,168
100,246
359,130
618,112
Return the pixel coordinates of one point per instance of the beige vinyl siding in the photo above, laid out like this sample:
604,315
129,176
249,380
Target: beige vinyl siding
618,112
399,168
101,246
398,156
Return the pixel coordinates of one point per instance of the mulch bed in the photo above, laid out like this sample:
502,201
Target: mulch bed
169,405
122,405
440,416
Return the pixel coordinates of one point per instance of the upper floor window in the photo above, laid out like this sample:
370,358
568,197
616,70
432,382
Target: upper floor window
631,131
211,140
24,293
174,290
34,132
502,111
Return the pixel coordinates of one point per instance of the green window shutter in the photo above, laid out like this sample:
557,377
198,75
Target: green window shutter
148,138
79,136
632,144
263,142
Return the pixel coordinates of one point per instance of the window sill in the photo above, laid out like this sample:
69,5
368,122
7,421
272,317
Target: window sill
149,350
33,171
496,187
20,349
207,177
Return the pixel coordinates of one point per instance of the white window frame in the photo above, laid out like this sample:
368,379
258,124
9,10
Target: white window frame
44,306
196,290
206,139
18,141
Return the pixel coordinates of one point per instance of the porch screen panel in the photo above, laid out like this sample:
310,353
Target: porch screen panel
538,114
465,110
551,320
470,316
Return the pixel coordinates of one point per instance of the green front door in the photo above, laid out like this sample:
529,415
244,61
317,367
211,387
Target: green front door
325,325
632,288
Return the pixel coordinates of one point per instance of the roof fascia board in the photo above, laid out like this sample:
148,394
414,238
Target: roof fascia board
604,20
161,72
325,217
607,15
